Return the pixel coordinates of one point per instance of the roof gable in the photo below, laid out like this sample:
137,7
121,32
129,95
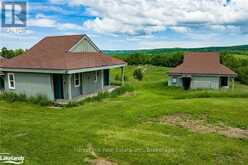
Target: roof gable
84,45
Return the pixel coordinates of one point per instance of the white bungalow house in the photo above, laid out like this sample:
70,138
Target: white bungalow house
59,67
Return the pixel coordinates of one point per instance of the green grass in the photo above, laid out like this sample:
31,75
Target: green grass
45,135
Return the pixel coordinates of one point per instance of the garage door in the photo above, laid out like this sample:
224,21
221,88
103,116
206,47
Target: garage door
201,84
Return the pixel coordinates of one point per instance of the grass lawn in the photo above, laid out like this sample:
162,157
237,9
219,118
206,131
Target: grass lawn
122,129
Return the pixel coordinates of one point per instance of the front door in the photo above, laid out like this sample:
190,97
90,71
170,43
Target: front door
1,83
58,86
186,82
106,77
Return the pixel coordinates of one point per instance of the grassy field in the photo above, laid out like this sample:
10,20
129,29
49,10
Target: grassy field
126,130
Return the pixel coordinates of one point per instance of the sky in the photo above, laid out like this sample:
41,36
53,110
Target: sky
135,24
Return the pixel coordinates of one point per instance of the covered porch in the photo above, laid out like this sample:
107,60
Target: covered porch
78,85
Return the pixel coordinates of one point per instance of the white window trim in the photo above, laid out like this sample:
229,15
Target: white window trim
79,81
11,74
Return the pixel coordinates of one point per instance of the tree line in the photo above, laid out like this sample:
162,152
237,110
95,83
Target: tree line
9,53
166,60
237,64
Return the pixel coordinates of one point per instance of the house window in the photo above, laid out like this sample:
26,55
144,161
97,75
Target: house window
77,80
11,79
174,80
95,77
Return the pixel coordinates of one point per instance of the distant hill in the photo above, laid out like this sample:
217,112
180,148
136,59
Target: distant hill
241,49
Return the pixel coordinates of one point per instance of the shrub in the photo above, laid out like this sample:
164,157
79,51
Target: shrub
40,99
239,65
243,74
122,90
118,78
12,97
137,74
103,95
116,83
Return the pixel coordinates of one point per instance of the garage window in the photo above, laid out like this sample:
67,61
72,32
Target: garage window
174,80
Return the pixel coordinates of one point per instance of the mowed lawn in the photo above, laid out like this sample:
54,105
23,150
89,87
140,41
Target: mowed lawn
124,129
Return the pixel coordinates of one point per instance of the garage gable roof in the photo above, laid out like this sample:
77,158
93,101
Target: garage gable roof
202,63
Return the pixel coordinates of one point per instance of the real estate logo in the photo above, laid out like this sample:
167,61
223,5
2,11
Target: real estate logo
6,158
14,15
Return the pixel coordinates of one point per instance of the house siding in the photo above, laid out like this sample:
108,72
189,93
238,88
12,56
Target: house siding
32,84
203,82
84,46
76,91
88,85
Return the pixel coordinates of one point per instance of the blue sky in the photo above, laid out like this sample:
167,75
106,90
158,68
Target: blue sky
136,24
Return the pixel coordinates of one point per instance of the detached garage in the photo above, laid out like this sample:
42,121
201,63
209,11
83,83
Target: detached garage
201,70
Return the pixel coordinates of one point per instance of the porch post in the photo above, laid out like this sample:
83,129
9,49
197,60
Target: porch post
233,83
122,76
102,83
69,87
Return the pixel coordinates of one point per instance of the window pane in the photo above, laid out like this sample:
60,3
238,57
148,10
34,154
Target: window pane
11,77
12,83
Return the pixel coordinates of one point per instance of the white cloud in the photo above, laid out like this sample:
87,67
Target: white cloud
225,28
148,16
180,29
69,26
41,20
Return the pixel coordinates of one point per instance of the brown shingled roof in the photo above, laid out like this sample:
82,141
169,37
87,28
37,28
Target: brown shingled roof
202,63
52,53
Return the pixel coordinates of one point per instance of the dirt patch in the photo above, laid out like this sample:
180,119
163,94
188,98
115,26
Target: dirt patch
129,94
201,126
94,159
101,161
